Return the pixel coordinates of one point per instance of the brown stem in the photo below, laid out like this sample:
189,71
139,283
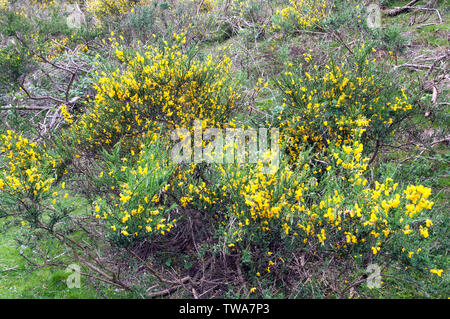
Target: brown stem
397,11
375,152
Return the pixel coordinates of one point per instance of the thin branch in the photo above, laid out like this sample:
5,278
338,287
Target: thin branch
39,98
399,10
375,152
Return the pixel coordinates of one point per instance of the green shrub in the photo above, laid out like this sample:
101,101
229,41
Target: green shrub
164,87
326,105
135,212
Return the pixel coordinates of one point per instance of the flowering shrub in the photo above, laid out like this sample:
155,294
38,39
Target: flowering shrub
328,105
158,87
134,211
27,177
304,13
28,173
305,223
341,211
102,8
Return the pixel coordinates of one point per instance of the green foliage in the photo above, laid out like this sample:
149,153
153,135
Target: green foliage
165,87
391,38
327,104
14,62
11,22
30,39
136,213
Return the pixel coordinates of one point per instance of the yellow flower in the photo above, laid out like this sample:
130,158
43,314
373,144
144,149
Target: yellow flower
423,232
437,271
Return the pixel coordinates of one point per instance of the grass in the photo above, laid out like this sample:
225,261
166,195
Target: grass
19,280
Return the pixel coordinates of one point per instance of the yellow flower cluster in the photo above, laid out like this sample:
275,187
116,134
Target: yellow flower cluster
206,5
305,13
60,45
103,8
3,4
418,196
328,106
157,87
437,272
66,114
137,211
26,172
297,202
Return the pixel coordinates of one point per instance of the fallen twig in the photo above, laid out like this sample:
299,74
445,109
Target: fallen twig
399,10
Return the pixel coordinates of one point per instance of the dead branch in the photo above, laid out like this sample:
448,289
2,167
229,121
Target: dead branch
399,10
159,277
38,98
375,152
164,292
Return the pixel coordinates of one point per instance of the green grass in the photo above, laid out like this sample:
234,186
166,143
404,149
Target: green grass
427,35
19,280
